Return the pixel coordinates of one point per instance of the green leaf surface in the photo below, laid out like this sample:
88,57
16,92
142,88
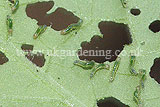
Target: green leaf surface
22,85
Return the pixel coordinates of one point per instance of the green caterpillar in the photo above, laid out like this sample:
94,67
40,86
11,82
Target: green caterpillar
72,27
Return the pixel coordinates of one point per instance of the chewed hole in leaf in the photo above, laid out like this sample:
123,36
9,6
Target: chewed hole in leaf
58,20
110,102
27,47
135,12
37,59
39,10
108,47
3,58
155,70
155,26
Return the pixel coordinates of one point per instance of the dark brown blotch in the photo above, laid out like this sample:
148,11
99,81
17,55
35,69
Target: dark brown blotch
37,59
110,102
108,47
3,58
12,1
58,20
27,47
155,70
